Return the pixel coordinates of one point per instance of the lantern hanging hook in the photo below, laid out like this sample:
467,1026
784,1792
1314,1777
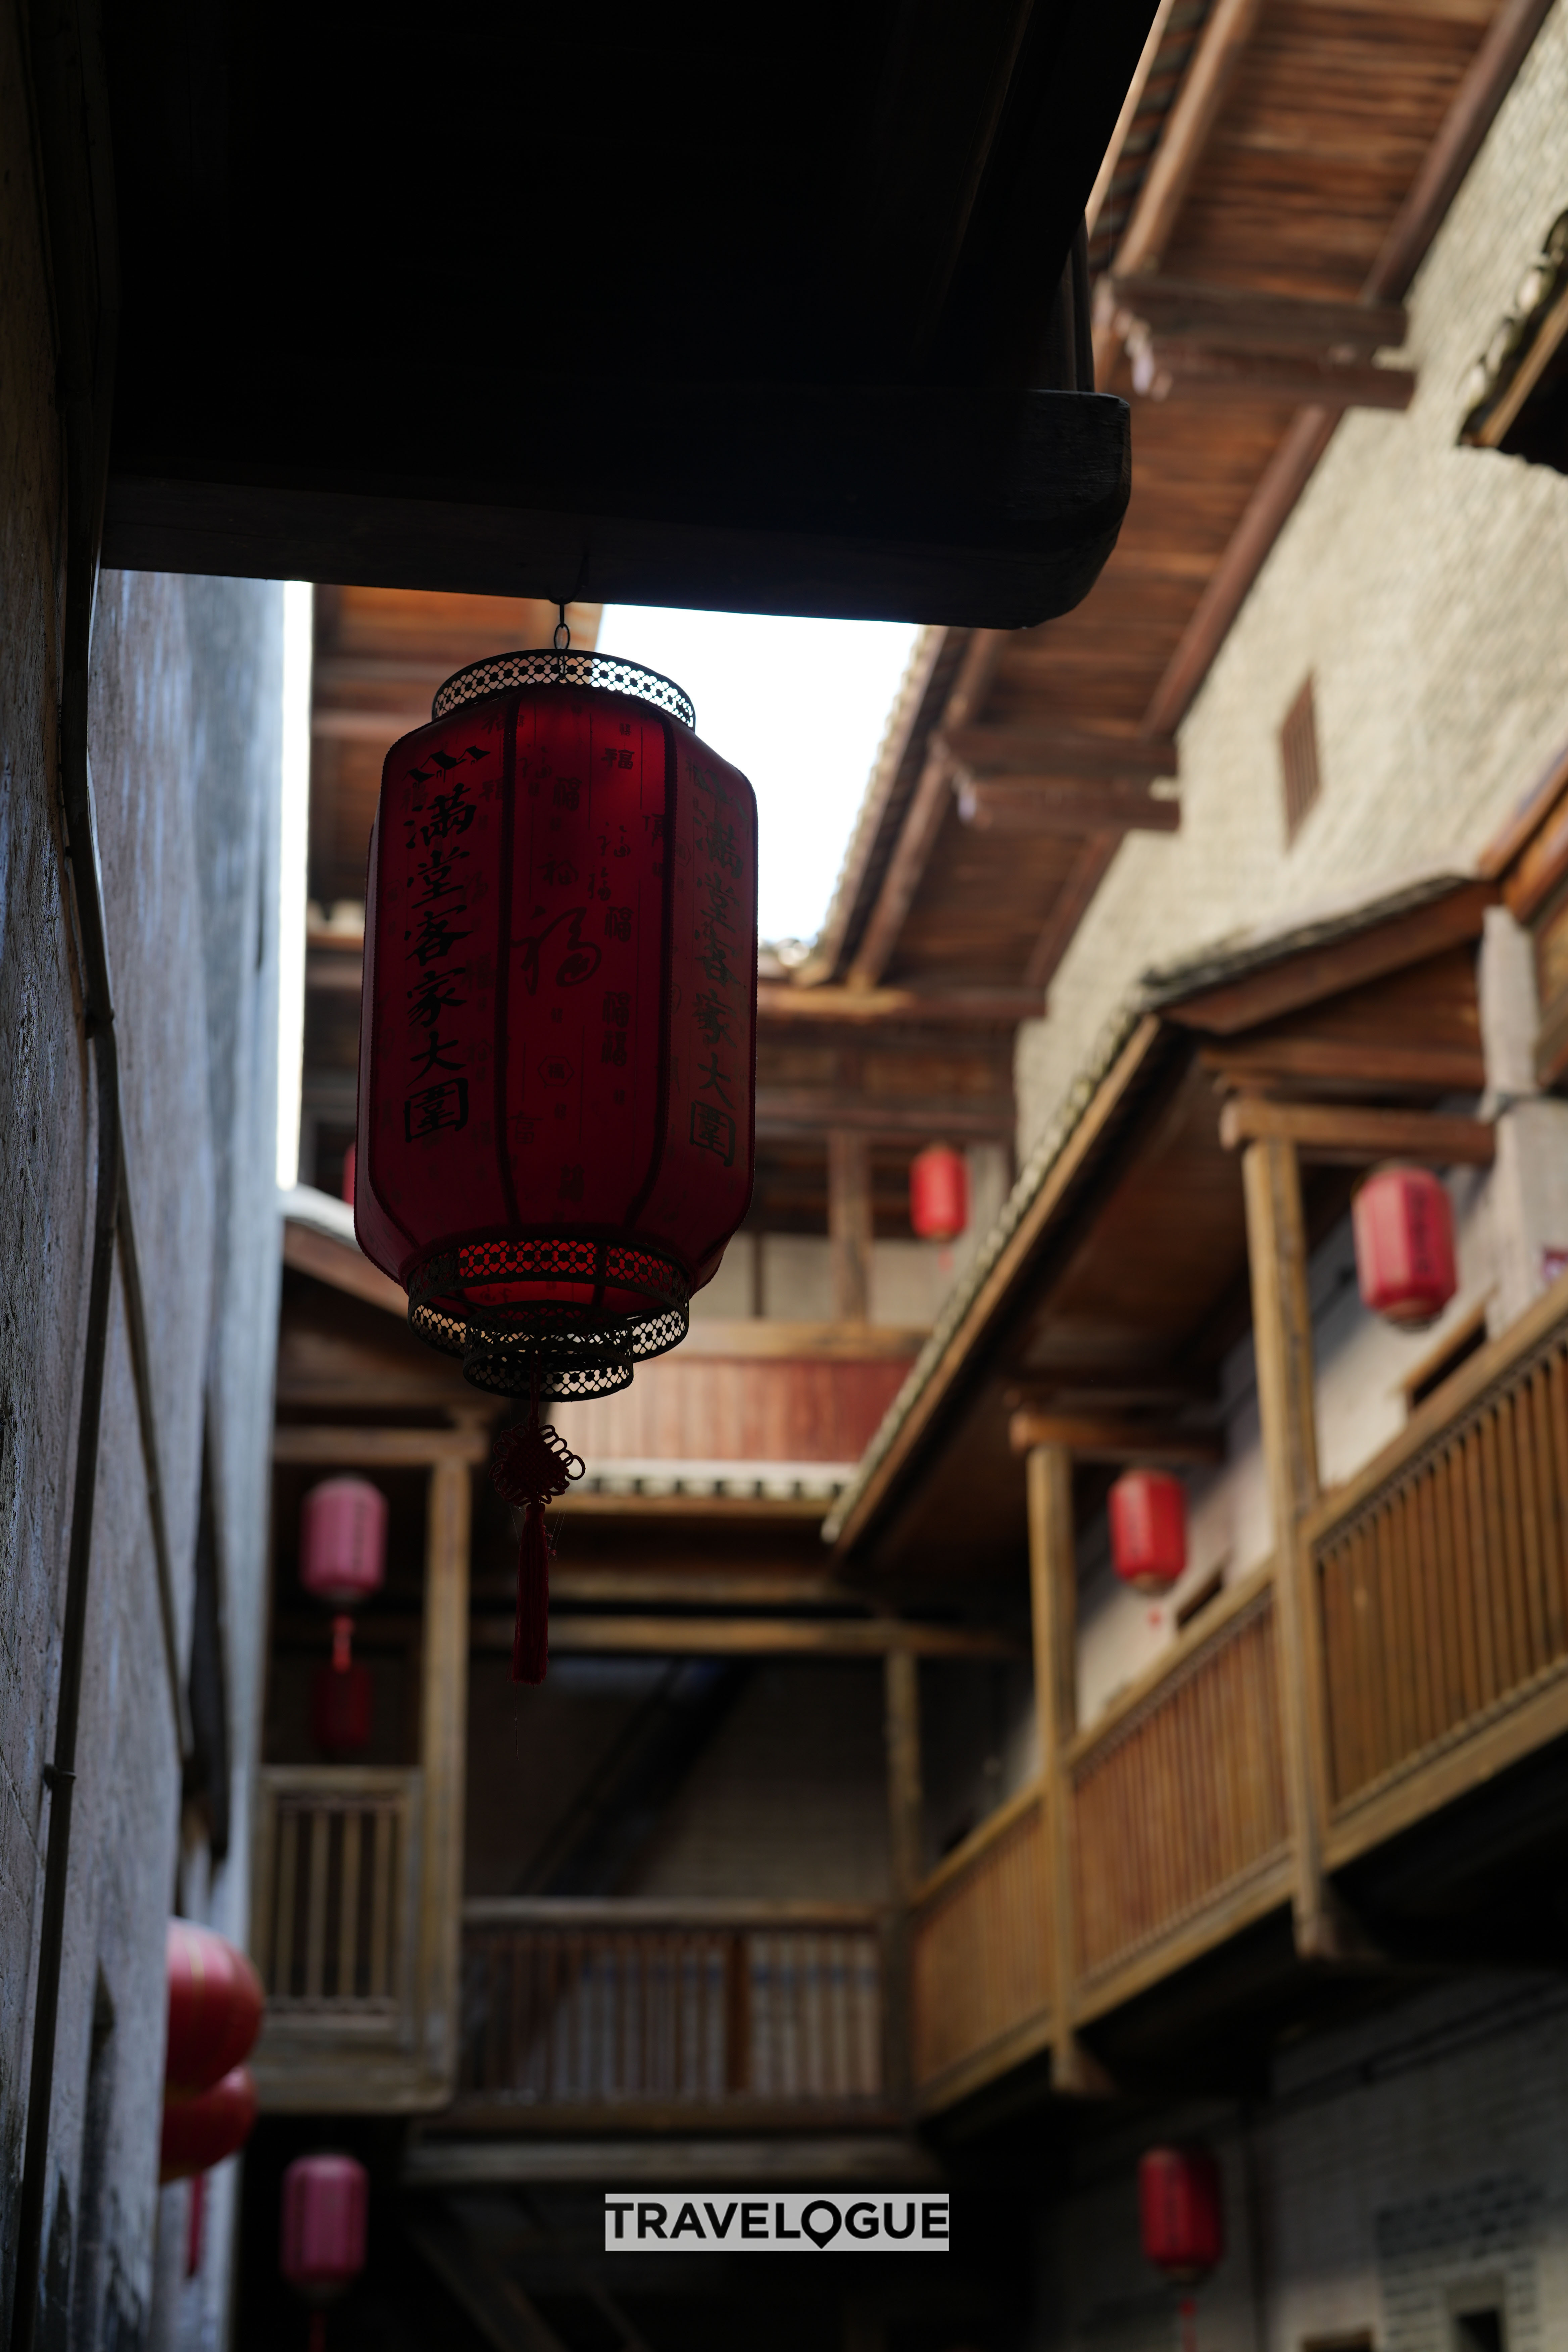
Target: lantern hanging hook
561,636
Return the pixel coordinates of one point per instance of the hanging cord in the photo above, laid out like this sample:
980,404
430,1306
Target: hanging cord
531,1465
561,639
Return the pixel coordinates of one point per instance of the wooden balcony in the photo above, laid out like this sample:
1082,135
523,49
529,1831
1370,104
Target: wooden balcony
658,2016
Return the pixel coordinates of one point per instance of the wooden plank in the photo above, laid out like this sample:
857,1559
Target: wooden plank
1182,368
812,1111
906,1846
1529,853
369,1449
1249,318
1491,74
933,1005
1285,984
1200,1635
924,818
1113,1440
1268,1889
1355,1134
996,1826
1385,1062
1282,1341
1188,125
342,1265
759,1340
1039,804
753,1637
443,1751
1021,749
850,1223
1537,360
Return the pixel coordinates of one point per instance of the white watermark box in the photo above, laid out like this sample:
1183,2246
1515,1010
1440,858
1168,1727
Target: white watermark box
707,2222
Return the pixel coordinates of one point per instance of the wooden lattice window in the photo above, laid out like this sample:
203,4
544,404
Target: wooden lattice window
1299,760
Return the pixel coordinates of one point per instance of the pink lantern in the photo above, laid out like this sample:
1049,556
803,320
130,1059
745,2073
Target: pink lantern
1405,1245
343,1541
1148,1529
939,1194
325,2202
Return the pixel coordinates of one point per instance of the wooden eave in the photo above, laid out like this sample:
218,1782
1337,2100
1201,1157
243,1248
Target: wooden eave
1122,1281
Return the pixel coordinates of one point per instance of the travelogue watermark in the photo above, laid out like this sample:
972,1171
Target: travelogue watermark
700,2221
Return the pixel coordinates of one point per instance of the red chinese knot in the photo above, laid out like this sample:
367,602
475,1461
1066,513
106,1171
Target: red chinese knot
557,1049
1404,1257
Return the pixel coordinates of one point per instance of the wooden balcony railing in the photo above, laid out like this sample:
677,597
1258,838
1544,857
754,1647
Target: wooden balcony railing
662,2009
333,1928
979,1988
1440,1583
1178,1804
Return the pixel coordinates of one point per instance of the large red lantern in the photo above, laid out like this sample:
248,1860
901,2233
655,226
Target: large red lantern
557,1041
215,2004
326,2201
939,1194
1405,1255
200,2131
1148,1512
1180,2210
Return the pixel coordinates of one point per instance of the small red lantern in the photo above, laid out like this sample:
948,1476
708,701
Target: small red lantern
1181,2213
215,2007
939,1194
325,2203
557,1041
200,2131
1148,1528
341,1697
1405,1254
343,1541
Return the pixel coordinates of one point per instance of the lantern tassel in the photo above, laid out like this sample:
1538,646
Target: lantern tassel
530,1641
531,1465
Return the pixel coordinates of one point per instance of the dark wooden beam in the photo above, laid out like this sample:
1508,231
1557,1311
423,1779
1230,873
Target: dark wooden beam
1242,318
1182,367
817,1111
753,1637
1377,1062
1046,750
924,818
1204,87
1286,984
1092,1438
1042,805
1352,1135
343,1265
930,1006
849,1223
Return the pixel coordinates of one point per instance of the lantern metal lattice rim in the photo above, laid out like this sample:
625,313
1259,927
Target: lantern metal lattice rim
608,672
562,1349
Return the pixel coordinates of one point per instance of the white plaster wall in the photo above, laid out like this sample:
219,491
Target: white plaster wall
1425,586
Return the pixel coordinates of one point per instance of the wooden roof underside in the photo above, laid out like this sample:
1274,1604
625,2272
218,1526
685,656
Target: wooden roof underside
1285,155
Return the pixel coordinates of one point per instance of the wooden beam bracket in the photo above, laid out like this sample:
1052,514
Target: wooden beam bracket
1114,1439
1352,1135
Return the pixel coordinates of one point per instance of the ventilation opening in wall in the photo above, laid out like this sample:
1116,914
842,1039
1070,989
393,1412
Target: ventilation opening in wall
1299,760
1425,1378
1475,2319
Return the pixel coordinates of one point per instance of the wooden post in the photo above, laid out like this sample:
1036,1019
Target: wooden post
1287,1406
906,1843
1053,1596
849,1224
443,1760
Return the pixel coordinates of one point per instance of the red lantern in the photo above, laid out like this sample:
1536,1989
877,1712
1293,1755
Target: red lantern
1148,1529
325,2201
200,2131
343,1541
557,1041
341,1698
1405,1245
215,2007
1180,2211
939,1194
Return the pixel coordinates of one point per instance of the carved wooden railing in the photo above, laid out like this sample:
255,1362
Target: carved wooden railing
1440,1584
979,1989
657,2009
1178,1804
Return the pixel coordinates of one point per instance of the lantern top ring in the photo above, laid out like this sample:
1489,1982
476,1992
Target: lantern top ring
607,671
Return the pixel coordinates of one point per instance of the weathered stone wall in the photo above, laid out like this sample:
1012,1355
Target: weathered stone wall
185,756
1425,589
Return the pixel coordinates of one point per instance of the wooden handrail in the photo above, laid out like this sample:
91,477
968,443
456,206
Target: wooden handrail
983,1836
1188,1644
1432,1420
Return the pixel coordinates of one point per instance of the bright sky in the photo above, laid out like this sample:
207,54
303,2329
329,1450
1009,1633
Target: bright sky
800,708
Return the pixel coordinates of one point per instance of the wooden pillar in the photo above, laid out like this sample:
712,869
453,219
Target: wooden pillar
1053,1596
443,1746
849,1224
906,1843
1287,1406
